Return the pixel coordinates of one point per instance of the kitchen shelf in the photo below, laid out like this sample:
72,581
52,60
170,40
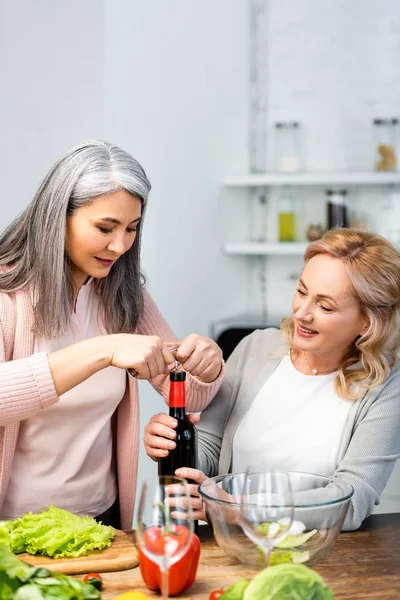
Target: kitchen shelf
316,178
265,249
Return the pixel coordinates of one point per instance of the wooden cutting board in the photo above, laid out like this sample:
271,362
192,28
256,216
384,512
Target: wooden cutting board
121,555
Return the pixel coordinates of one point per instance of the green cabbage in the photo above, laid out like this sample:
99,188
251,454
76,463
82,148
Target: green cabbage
56,533
235,591
286,582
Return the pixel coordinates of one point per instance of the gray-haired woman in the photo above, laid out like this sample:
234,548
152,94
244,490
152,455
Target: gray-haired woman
74,315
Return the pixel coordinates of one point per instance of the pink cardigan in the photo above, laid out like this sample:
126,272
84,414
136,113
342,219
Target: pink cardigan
26,387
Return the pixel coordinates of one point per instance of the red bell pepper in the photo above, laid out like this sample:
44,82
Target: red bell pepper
182,573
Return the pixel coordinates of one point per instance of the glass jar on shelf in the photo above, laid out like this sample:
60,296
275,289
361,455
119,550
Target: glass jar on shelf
336,208
286,216
287,146
385,133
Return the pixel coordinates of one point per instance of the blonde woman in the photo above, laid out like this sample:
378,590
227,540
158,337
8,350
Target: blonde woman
74,316
323,394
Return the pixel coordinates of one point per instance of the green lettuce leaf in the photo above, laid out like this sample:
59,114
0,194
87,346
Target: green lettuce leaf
293,541
286,582
21,581
13,566
235,591
5,533
8,586
58,533
289,541
278,557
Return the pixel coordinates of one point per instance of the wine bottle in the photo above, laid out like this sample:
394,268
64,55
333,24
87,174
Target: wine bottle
185,452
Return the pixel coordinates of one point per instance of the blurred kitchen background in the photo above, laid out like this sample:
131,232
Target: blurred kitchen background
249,117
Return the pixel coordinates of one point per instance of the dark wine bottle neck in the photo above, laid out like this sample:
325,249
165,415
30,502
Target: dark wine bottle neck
177,412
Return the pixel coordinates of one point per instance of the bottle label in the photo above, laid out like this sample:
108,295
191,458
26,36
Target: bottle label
177,394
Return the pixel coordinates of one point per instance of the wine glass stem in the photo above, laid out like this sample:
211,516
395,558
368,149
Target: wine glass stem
165,583
267,554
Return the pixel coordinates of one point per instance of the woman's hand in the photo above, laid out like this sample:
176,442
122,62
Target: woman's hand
200,356
198,506
159,434
149,356
146,355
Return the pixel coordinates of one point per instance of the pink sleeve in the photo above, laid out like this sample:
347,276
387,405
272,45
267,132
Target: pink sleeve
26,386
199,394
26,382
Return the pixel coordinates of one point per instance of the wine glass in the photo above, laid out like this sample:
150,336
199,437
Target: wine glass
266,508
164,526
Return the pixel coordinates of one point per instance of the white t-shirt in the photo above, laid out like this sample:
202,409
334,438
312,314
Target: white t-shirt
63,454
296,422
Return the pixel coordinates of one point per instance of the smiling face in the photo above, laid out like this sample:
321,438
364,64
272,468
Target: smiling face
100,232
327,317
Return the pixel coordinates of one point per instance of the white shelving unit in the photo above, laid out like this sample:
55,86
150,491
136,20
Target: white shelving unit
255,187
317,178
257,181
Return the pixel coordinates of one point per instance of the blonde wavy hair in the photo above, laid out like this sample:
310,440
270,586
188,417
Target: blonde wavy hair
373,265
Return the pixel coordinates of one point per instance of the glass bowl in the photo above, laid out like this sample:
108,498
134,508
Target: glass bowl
320,508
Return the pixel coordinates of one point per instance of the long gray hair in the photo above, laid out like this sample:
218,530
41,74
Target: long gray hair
32,248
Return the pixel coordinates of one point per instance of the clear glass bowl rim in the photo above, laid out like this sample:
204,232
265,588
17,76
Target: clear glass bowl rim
218,478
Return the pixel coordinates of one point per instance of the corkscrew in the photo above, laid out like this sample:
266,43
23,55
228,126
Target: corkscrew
132,373
177,363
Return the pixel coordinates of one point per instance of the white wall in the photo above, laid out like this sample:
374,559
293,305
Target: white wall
334,66
175,97
51,89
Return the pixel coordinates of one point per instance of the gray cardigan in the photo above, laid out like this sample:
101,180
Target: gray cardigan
371,440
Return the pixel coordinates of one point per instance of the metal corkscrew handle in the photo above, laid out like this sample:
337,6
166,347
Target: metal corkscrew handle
177,363
132,373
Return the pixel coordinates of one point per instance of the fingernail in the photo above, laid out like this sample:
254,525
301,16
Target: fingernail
171,444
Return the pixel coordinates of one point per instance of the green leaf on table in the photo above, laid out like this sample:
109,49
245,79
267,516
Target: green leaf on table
21,581
235,591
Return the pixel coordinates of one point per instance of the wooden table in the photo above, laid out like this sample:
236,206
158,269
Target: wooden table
363,564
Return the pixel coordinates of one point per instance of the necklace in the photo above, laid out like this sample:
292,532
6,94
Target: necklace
314,371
